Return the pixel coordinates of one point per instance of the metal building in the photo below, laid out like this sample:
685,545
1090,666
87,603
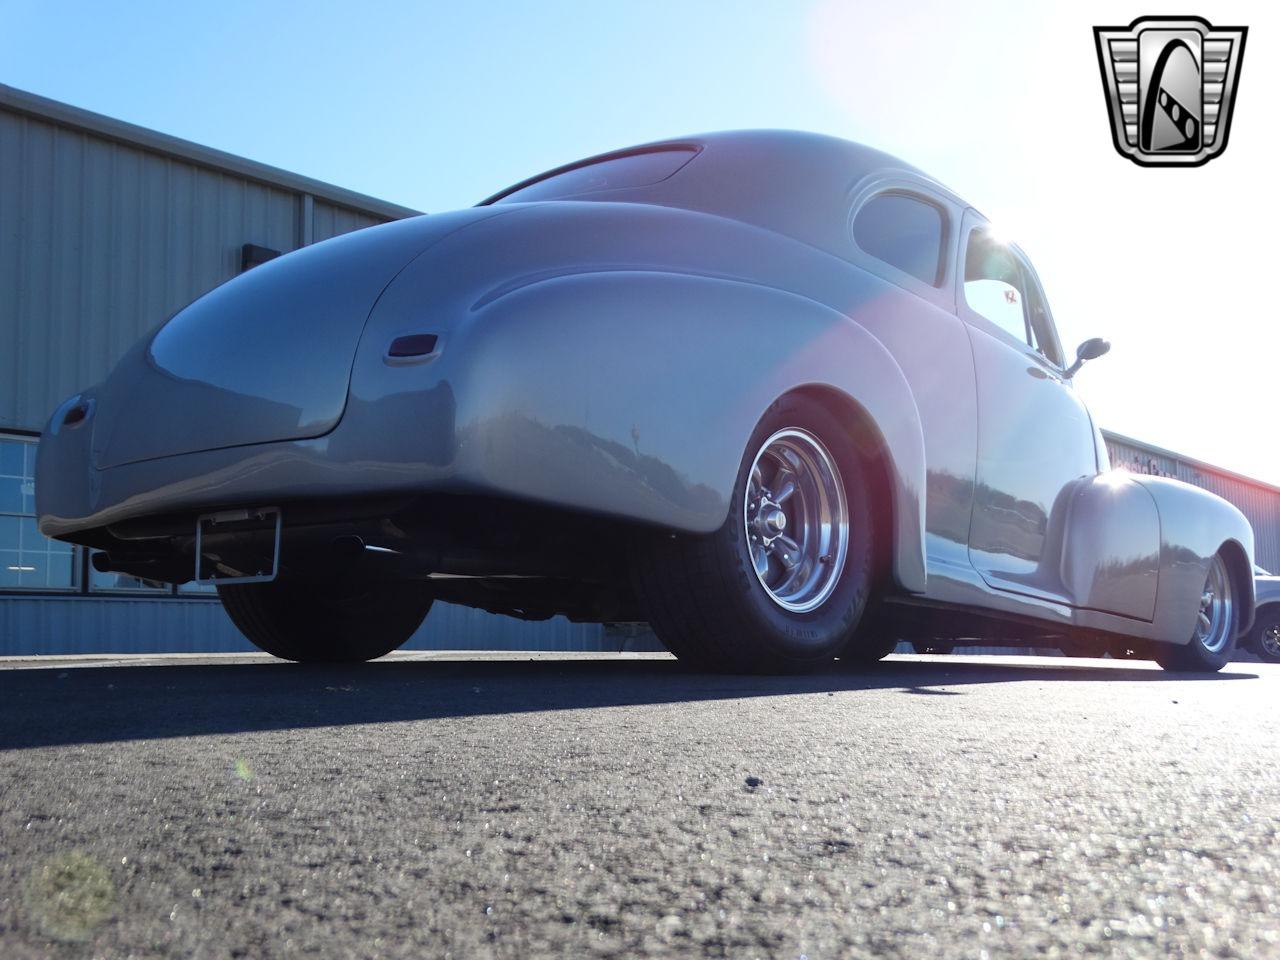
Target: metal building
106,229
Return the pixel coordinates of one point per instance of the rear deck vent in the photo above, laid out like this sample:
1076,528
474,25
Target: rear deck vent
413,345
77,414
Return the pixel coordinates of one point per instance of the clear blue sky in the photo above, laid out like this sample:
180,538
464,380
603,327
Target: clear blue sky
436,105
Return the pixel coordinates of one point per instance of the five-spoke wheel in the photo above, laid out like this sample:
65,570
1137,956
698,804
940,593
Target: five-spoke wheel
1214,622
783,583
796,520
1213,637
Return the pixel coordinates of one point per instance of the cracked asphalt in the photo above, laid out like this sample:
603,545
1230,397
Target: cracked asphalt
597,806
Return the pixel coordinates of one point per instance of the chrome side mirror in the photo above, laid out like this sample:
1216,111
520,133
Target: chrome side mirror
1091,349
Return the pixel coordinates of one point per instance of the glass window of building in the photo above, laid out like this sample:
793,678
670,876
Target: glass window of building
115,582
28,561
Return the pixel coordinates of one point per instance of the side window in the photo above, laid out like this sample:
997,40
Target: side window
904,232
1038,319
993,284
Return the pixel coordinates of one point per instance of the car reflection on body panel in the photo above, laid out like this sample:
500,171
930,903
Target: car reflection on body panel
784,396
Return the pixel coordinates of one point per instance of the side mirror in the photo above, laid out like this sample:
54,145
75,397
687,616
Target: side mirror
1091,349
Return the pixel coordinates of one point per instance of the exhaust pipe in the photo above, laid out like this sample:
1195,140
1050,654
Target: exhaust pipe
348,546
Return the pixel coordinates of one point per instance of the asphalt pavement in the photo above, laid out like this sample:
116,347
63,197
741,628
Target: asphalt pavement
597,806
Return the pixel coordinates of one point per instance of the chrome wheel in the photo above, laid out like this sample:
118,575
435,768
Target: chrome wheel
1214,621
796,520
1270,641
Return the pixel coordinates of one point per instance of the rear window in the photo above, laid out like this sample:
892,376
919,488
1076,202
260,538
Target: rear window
903,232
633,170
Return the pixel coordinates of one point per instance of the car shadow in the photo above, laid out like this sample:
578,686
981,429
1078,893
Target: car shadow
51,706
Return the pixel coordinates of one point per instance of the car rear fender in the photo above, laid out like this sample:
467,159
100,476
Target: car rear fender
634,393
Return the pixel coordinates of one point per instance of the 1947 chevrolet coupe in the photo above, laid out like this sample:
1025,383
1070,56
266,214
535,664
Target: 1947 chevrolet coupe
783,396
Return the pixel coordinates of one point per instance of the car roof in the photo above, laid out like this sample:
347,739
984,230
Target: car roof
793,182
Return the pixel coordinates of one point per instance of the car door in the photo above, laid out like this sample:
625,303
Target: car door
1035,437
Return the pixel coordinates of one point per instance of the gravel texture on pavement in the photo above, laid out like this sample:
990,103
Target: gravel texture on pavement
516,807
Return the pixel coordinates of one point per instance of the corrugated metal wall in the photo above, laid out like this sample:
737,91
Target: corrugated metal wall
101,240
1259,502
329,220
105,231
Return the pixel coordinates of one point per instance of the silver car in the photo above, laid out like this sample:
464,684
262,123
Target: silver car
783,396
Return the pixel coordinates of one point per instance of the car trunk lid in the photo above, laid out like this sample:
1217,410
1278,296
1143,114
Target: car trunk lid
265,357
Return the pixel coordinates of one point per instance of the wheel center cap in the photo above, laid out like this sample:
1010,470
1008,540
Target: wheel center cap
775,519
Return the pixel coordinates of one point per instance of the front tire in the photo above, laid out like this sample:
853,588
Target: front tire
297,621
1214,639
780,587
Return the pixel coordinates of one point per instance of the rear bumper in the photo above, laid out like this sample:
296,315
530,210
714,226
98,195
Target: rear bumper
393,452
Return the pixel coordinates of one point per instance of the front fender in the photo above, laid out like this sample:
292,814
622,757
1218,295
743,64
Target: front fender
1112,554
634,393
1194,526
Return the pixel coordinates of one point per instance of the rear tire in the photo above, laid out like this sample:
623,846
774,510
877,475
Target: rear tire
1214,639
302,622
1265,638
875,638
728,602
